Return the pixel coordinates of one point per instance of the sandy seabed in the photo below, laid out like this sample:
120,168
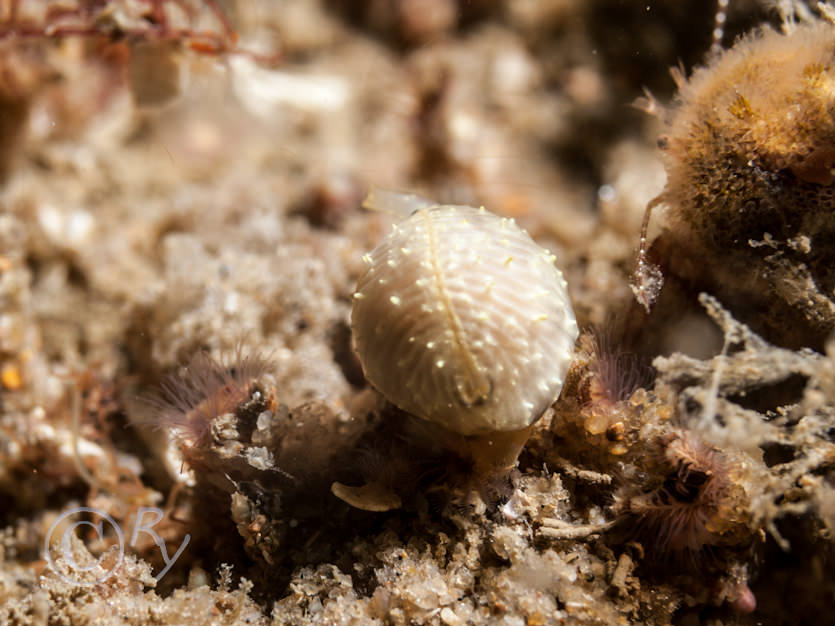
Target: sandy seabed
181,233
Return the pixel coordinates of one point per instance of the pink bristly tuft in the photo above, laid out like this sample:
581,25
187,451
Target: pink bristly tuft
616,374
191,398
675,522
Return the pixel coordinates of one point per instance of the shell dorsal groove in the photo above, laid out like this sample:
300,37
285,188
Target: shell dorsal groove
472,383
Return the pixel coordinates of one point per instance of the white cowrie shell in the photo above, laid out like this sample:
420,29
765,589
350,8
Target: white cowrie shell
462,319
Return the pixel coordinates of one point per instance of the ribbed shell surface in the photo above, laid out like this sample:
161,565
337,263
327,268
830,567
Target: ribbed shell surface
462,319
